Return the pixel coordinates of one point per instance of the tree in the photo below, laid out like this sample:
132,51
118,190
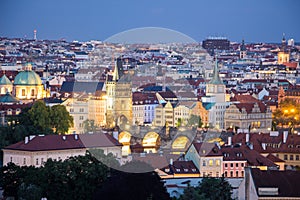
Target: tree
61,120
39,115
195,120
75,178
286,115
210,188
89,126
133,186
215,188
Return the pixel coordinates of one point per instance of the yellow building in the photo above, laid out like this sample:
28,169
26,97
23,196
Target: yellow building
28,85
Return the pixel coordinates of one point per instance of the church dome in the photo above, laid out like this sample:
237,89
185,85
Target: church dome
4,80
27,78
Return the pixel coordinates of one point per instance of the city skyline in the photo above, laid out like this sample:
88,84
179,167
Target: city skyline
254,21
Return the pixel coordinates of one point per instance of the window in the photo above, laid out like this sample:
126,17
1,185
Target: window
236,173
204,163
242,173
42,160
231,173
81,110
236,164
226,165
37,161
231,164
204,174
297,157
81,117
225,174
10,159
285,157
71,110
23,92
24,161
242,164
218,162
217,174
291,157
210,162
32,92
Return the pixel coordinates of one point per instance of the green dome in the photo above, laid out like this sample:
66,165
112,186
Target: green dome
8,98
27,78
4,80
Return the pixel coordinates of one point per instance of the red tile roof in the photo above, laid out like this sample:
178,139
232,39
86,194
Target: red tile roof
181,167
63,142
243,152
287,182
274,144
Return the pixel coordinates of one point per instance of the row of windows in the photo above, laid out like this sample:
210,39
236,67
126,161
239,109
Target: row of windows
292,157
231,174
232,164
211,162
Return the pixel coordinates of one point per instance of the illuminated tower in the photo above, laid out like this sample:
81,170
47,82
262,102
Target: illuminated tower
119,97
283,55
34,34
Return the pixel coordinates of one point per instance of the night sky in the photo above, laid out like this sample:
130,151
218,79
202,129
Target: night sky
252,20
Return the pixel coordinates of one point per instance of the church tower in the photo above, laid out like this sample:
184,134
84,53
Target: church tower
283,55
215,86
119,97
215,100
243,50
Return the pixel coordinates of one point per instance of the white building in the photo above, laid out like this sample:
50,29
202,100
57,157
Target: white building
35,150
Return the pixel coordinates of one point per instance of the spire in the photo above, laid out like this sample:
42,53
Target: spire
116,73
243,47
216,77
283,43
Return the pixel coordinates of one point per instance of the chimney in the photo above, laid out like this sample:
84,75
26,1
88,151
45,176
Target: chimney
285,135
247,137
229,141
26,140
263,145
31,137
171,161
116,135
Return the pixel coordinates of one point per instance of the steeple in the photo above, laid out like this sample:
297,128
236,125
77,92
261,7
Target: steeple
216,80
243,48
283,43
116,73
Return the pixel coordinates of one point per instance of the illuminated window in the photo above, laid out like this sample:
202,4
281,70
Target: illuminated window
32,92
23,92
210,162
218,162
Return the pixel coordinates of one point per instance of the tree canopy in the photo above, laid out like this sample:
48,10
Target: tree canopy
287,114
75,178
209,189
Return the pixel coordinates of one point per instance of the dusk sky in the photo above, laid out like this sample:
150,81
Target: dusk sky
253,20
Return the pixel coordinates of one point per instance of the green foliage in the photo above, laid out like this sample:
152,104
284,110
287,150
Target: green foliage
74,178
61,121
195,120
286,115
209,189
89,126
133,186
